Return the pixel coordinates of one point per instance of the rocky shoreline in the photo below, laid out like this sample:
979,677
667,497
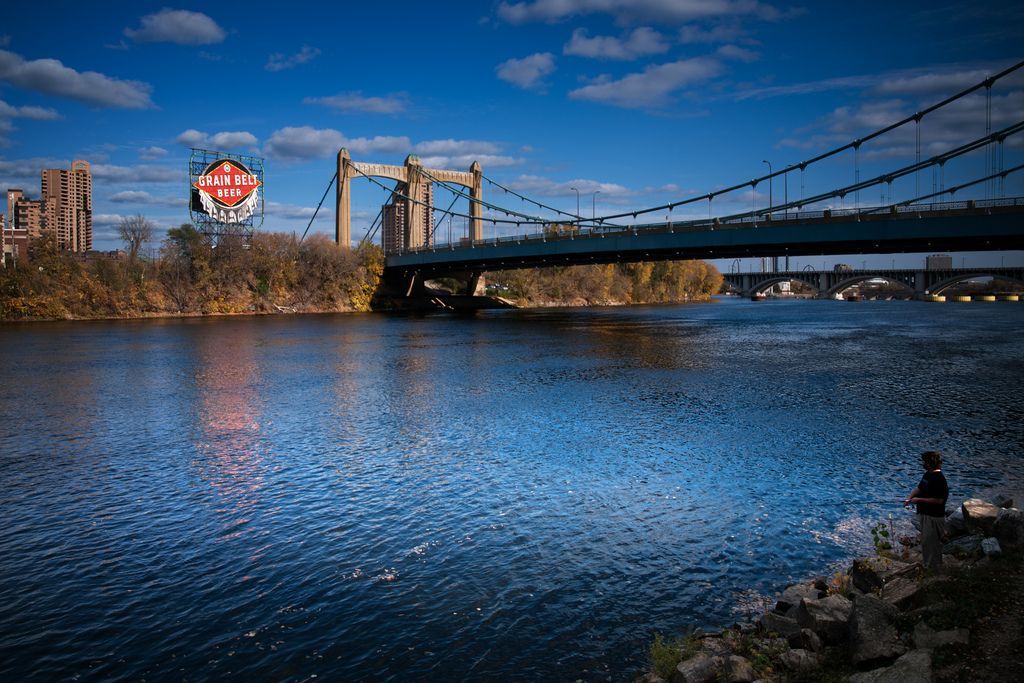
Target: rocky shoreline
886,619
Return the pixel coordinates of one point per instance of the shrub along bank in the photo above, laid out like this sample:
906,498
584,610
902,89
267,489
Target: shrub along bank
189,276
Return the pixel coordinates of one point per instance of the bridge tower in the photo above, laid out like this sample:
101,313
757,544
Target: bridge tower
412,177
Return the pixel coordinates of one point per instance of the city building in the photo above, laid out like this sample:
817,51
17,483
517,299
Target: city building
15,245
64,211
396,233
71,193
938,262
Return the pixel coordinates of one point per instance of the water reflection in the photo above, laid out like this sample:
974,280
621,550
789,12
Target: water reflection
229,445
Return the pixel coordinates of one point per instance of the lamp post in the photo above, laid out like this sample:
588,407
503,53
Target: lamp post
593,205
577,204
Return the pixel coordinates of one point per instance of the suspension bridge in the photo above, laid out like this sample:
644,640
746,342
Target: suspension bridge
970,213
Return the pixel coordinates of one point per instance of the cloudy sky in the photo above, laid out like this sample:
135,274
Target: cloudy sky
639,101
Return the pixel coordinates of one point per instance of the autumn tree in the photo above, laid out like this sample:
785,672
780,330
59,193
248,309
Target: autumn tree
134,232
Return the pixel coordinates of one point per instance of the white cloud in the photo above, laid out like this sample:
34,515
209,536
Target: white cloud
528,71
279,210
456,147
463,161
306,142
738,54
926,81
223,140
632,11
652,86
280,62
137,174
51,77
8,111
177,26
145,198
151,153
355,101
535,185
722,33
641,41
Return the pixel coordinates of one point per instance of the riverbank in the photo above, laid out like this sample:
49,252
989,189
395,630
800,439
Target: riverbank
885,619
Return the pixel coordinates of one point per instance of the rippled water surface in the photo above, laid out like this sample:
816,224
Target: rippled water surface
516,495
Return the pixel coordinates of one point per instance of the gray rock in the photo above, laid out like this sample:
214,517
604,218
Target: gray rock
828,617
1009,527
775,623
739,670
955,524
701,668
801,661
902,592
745,627
913,667
792,596
980,514
966,546
1002,501
867,574
806,639
925,638
873,636
649,677
990,547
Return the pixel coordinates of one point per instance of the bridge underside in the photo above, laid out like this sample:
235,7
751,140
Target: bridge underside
958,231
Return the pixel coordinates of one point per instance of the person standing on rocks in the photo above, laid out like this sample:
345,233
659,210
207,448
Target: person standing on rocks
930,497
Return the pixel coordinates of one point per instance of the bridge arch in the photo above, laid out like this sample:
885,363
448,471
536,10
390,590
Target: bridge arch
765,285
942,286
843,285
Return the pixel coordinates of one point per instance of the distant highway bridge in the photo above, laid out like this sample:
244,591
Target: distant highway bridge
829,283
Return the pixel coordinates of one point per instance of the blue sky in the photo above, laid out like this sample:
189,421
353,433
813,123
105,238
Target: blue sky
646,101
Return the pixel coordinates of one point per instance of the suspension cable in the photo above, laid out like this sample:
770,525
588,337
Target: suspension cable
313,217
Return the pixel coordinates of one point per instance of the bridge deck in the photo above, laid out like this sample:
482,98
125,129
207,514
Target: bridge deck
963,226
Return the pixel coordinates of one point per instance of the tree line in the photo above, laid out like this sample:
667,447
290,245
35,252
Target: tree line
190,275
613,283
277,272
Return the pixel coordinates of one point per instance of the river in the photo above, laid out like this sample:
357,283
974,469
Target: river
515,495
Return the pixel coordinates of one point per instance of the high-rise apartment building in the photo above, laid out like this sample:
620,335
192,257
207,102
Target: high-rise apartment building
71,194
396,232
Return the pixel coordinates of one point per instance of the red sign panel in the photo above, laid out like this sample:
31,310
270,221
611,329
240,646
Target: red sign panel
228,191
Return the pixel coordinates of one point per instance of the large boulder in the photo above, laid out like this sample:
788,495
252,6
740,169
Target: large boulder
913,667
980,514
902,592
1003,501
801,661
701,668
806,639
867,574
792,596
955,523
828,617
965,546
776,623
1009,527
925,638
873,636
739,670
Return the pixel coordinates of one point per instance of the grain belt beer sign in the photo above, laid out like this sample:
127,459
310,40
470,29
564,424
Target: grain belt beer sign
228,191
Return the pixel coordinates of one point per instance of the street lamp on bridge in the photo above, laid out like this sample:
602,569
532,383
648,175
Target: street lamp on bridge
771,202
593,205
577,203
